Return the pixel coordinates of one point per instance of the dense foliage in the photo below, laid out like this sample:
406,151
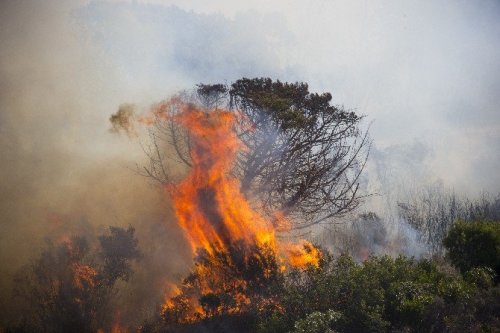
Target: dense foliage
384,294
380,294
475,244
69,287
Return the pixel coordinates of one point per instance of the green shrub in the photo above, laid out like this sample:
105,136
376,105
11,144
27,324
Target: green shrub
317,322
475,244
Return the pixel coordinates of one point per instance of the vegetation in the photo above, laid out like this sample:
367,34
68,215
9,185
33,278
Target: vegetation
304,156
433,210
380,294
240,282
472,245
388,295
70,286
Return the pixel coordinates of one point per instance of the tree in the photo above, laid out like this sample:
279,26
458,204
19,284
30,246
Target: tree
70,286
118,249
304,156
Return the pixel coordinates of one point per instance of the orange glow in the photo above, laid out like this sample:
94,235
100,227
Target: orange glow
217,218
208,203
83,276
303,254
117,328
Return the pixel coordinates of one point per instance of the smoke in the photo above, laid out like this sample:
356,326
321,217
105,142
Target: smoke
427,73
370,234
410,209
62,171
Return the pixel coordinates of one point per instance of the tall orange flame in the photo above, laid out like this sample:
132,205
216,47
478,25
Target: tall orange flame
208,202
219,222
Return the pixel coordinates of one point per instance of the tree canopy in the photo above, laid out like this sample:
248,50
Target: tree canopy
303,155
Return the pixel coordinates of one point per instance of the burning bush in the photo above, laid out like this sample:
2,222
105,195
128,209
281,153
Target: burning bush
239,262
70,286
240,281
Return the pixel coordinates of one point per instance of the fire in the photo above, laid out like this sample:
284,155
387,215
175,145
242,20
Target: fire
84,276
304,254
208,203
117,328
237,254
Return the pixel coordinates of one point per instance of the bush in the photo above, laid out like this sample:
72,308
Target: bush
70,286
381,294
317,322
475,244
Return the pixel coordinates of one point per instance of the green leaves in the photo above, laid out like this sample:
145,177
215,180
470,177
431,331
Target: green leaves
381,294
317,322
475,244
290,105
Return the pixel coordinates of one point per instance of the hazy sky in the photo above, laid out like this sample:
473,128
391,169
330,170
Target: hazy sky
425,73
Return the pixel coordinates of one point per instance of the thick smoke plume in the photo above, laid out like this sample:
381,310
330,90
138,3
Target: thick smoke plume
62,172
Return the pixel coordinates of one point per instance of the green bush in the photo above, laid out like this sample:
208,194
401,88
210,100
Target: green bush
317,322
475,244
382,294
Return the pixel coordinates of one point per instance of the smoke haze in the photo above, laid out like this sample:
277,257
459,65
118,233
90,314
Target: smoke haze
62,171
426,74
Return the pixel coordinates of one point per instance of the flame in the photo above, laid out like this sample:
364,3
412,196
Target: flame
303,254
224,231
117,328
208,202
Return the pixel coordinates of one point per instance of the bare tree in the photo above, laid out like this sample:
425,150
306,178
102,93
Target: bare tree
304,156
432,210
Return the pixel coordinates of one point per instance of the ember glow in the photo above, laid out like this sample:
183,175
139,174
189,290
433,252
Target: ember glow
228,237
303,254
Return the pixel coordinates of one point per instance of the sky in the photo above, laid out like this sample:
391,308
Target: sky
426,75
